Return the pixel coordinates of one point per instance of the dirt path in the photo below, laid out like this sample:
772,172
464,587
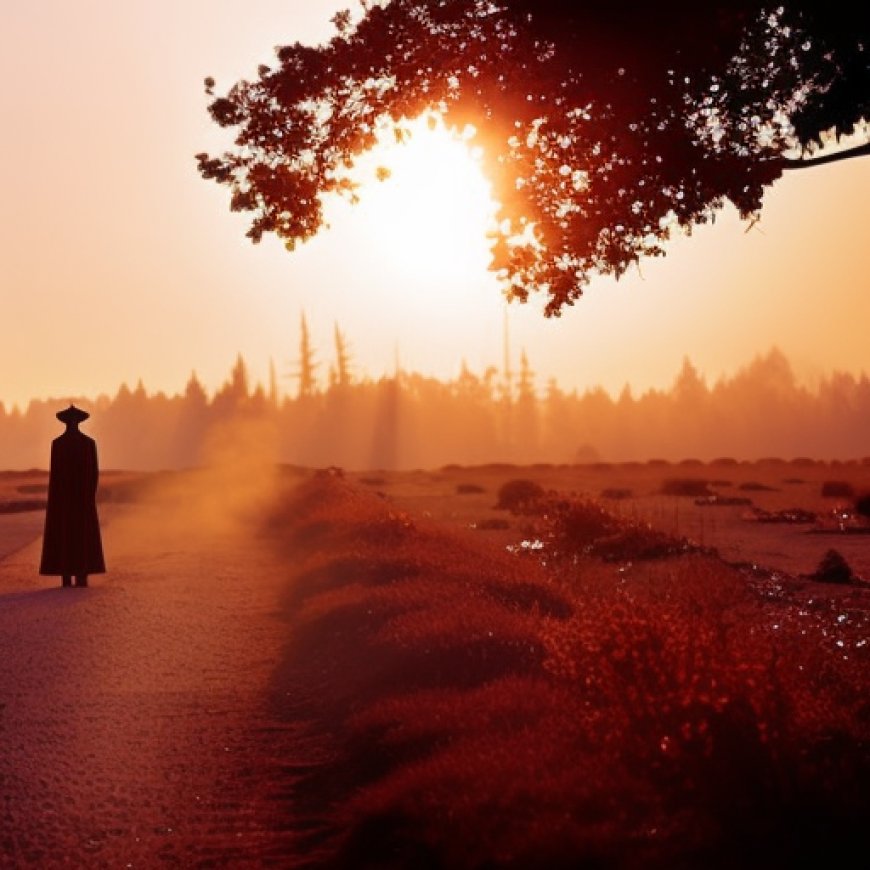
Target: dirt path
136,723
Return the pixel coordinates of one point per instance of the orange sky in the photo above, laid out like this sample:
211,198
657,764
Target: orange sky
117,261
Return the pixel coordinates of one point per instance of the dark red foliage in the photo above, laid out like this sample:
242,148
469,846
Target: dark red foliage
566,528
603,125
833,569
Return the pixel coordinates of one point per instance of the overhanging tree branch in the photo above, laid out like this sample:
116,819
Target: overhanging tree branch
603,125
846,154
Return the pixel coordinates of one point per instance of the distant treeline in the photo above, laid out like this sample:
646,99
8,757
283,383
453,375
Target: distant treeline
412,421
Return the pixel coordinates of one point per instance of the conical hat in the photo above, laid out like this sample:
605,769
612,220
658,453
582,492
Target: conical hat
72,414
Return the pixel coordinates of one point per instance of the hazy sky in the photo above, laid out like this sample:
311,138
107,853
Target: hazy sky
118,262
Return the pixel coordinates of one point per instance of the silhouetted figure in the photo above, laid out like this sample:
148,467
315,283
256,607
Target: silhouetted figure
71,546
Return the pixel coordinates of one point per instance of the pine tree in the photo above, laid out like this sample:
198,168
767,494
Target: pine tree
194,392
238,384
307,366
342,359
689,387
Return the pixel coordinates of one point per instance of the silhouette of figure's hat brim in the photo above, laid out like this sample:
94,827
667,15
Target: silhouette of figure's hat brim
72,414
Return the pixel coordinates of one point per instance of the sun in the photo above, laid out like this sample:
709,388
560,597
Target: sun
427,221
411,258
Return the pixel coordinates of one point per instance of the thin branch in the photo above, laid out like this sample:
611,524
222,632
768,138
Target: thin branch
859,151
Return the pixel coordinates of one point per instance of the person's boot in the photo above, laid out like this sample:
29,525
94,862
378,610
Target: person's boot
66,580
81,579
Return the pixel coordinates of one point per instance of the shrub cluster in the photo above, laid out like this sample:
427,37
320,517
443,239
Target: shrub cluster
833,569
688,486
837,489
468,489
755,486
517,494
571,527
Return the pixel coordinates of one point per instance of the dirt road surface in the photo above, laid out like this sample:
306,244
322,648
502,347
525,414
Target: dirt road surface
137,724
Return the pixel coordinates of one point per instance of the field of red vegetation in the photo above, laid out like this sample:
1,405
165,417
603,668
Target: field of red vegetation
568,687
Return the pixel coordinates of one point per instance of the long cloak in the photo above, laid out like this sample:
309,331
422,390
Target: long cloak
72,543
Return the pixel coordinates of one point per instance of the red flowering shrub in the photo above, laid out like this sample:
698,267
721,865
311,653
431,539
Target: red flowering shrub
569,527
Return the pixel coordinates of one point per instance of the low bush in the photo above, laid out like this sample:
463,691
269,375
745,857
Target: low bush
685,486
833,569
564,528
468,489
755,486
837,489
517,494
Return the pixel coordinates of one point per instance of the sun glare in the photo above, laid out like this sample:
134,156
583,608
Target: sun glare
427,221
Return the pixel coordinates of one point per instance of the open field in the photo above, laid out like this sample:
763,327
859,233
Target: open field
771,485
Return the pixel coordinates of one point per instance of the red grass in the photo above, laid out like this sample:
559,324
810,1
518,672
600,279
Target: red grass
493,712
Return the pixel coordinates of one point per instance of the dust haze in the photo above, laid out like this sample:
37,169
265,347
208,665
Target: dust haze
226,496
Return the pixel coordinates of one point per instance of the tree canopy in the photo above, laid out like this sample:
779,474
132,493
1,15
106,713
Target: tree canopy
603,125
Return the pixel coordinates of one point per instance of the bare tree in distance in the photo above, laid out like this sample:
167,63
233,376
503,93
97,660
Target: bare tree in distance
604,126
